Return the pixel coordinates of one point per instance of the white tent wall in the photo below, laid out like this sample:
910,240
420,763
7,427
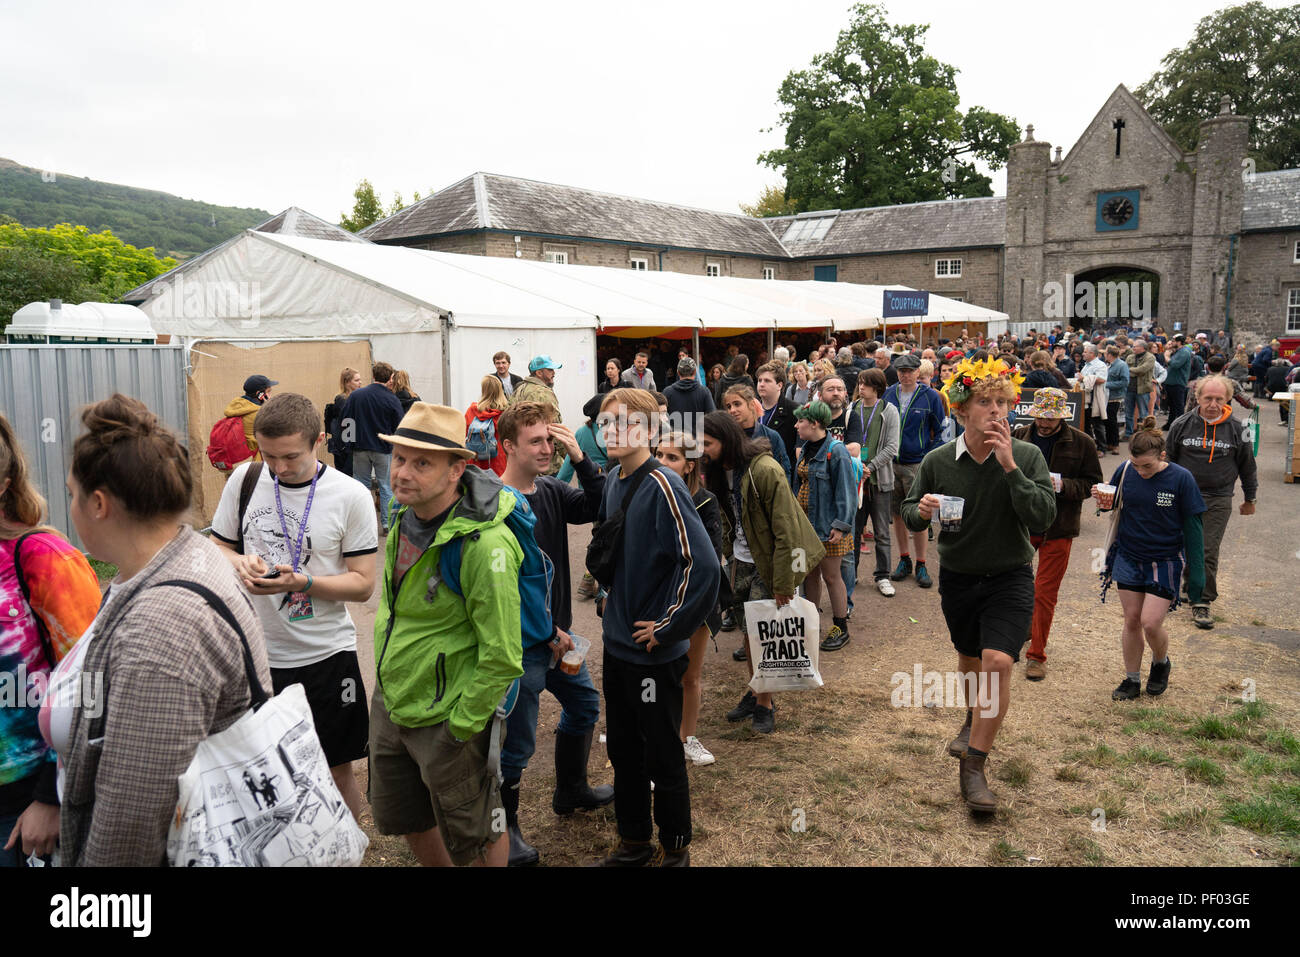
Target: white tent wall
472,349
420,354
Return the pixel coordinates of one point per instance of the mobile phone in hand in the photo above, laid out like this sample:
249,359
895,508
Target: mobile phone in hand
273,573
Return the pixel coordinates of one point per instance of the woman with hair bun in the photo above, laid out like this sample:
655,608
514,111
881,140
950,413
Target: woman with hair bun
1160,510
169,669
48,597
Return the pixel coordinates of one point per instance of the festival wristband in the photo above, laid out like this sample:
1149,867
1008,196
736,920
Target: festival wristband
310,581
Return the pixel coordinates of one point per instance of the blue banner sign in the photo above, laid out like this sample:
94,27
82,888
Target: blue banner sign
905,302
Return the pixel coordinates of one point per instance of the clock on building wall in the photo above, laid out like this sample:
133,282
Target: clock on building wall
1117,210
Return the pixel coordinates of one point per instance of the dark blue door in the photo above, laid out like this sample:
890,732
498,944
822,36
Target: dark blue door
825,273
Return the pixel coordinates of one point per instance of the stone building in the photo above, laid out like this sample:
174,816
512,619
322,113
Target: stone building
1125,226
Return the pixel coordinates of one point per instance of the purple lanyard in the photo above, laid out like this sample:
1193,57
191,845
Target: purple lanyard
296,552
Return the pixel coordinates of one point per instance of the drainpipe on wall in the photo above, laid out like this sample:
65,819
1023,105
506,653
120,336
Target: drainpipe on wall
1227,299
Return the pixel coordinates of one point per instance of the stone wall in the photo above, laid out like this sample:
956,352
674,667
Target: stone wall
1263,275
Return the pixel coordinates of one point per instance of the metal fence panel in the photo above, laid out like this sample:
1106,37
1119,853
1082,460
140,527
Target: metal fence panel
44,387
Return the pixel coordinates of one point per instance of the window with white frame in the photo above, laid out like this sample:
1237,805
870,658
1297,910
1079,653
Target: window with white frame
639,262
808,229
947,268
1293,310
1296,258
713,269
555,256
769,272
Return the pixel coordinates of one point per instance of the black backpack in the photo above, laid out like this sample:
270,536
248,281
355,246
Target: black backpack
605,551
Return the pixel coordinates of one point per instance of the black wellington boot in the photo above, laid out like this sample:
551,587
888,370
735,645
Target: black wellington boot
522,854
572,792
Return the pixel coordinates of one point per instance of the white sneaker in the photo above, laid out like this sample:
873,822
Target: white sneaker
696,752
885,587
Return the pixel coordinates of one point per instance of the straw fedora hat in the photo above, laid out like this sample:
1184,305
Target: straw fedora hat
438,428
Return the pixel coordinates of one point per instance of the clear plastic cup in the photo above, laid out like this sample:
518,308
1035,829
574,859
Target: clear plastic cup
950,511
1106,497
1056,481
572,661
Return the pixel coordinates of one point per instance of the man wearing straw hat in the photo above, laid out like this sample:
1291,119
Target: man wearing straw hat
1072,460
443,660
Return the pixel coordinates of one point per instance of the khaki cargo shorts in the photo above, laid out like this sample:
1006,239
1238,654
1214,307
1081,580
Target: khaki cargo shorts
904,476
422,778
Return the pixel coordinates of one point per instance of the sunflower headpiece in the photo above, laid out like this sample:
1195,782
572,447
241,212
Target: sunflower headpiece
959,385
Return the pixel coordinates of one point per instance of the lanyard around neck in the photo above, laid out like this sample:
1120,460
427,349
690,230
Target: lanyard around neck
295,551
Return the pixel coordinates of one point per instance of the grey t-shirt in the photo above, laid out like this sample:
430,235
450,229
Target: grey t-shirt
415,535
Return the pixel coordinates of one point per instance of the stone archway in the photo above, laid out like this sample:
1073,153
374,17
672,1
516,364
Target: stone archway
1116,295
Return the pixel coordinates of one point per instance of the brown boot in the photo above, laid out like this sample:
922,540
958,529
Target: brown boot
957,747
975,787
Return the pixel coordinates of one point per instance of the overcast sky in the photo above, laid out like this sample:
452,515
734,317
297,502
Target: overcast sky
271,104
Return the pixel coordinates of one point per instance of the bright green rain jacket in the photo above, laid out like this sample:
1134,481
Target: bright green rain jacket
441,657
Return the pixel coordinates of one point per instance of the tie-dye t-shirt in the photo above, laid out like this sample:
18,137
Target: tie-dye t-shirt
65,593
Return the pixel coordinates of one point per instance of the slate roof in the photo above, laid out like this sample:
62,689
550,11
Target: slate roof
944,224
292,222
1271,201
489,201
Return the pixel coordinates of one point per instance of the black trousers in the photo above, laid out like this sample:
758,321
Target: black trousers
643,719
1176,395
1112,422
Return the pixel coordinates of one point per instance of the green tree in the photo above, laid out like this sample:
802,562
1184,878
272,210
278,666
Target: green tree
69,263
103,259
772,201
366,210
1250,53
876,121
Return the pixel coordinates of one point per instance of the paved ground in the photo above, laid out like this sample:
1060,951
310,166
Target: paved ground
1254,641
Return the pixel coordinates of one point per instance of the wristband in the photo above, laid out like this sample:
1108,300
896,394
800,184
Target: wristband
310,582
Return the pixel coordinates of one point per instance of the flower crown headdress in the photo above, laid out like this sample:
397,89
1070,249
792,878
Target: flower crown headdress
959,385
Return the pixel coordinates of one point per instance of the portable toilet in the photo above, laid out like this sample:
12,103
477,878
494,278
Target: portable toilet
87,324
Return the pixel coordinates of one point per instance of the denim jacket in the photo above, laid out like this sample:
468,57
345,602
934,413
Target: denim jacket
832,491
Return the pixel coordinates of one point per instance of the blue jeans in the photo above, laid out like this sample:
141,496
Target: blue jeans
576,694
1143,406
363,463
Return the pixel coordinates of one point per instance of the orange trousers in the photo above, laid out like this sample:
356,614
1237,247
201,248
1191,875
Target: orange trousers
1053,557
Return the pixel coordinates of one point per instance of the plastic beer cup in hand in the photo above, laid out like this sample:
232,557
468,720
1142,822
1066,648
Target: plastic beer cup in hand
1105,497
950,511
572,661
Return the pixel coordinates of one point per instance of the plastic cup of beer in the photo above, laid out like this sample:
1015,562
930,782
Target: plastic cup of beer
572,661
950,511
1056,481
1105,497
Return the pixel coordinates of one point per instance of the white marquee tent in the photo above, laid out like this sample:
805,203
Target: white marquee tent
442,315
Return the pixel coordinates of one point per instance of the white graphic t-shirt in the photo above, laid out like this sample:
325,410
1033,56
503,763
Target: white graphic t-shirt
340,525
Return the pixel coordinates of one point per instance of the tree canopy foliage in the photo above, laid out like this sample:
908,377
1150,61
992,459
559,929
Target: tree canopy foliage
367,209
69,263
772,201
1251,53
876,122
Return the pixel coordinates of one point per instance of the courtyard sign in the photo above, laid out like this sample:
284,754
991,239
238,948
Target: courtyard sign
905,302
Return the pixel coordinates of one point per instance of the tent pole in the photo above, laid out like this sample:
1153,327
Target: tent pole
446,359
771,343
695,345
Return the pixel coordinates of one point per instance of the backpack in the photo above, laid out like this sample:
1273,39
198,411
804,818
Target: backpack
481,439
227,446
535,574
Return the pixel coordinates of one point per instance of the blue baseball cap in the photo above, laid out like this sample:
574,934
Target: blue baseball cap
543,362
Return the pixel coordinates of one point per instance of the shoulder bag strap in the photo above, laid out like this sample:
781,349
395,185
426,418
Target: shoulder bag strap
46,645
245,496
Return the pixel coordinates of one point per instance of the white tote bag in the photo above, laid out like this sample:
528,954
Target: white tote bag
783,644
260,793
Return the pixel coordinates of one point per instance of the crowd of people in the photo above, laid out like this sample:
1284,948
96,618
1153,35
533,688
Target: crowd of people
703,494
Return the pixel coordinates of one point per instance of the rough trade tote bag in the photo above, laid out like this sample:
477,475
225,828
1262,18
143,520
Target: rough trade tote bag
783,645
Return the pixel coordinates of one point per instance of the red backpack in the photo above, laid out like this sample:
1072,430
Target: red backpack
227,446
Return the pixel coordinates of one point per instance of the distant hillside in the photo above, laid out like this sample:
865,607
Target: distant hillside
141,217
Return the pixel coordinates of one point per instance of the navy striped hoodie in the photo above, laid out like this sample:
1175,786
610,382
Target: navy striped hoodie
669,573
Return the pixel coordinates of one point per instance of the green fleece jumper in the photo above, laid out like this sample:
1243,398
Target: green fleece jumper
1001,507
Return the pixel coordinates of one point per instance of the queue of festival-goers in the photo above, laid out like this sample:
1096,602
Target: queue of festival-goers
699,481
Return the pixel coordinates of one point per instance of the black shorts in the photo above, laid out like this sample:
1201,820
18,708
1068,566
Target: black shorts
988,611
338,704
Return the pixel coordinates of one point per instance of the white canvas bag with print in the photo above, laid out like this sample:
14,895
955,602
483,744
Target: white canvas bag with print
783,645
